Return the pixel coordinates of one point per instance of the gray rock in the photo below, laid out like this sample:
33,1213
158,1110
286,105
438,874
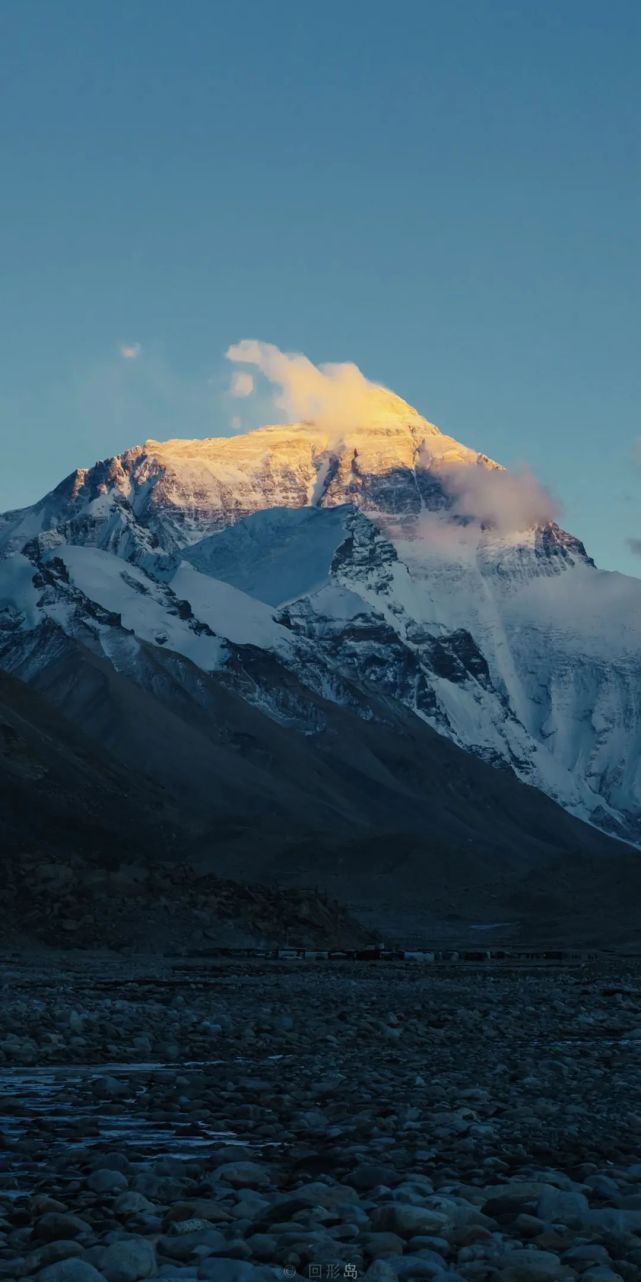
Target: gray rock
61,1249
189,1245
523,1190
380,1271
128,1260
458,1211
527,1225
408,1267
72,1270
601,1273
13,1269
225,1270
110,1087
564,1208
262,1246
603,1184
177,1273
407,1220
132,1203
587,1252
317,1194
205,1208
183,1228
615,1221
243,1174
54,1225
379,1244
532,1266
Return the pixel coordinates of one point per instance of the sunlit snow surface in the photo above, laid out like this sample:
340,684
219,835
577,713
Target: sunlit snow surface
145,607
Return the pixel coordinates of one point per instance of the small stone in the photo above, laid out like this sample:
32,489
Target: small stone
181,1227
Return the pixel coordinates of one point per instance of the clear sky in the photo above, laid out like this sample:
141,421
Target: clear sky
447,193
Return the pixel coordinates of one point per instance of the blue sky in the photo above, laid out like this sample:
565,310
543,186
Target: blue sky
447,194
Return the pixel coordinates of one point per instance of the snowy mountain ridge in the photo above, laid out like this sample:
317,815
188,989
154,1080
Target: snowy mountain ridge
386,559
191,487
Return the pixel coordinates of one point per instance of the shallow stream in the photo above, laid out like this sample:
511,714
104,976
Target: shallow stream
53,1109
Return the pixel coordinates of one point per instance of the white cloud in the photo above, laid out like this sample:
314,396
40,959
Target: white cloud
130,351
334,396
508,501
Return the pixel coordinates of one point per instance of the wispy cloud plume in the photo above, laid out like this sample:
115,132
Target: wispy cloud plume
334,396
507,501
634,546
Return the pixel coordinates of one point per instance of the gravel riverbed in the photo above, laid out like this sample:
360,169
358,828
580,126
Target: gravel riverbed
245,1122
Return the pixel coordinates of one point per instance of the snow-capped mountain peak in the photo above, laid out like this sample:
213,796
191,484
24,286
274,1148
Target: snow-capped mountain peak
181,490
381,557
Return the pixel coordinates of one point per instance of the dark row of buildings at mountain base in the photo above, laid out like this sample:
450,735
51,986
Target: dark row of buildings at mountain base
419,955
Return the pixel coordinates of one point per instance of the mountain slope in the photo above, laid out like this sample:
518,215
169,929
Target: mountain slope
92,850
85,799
459,843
